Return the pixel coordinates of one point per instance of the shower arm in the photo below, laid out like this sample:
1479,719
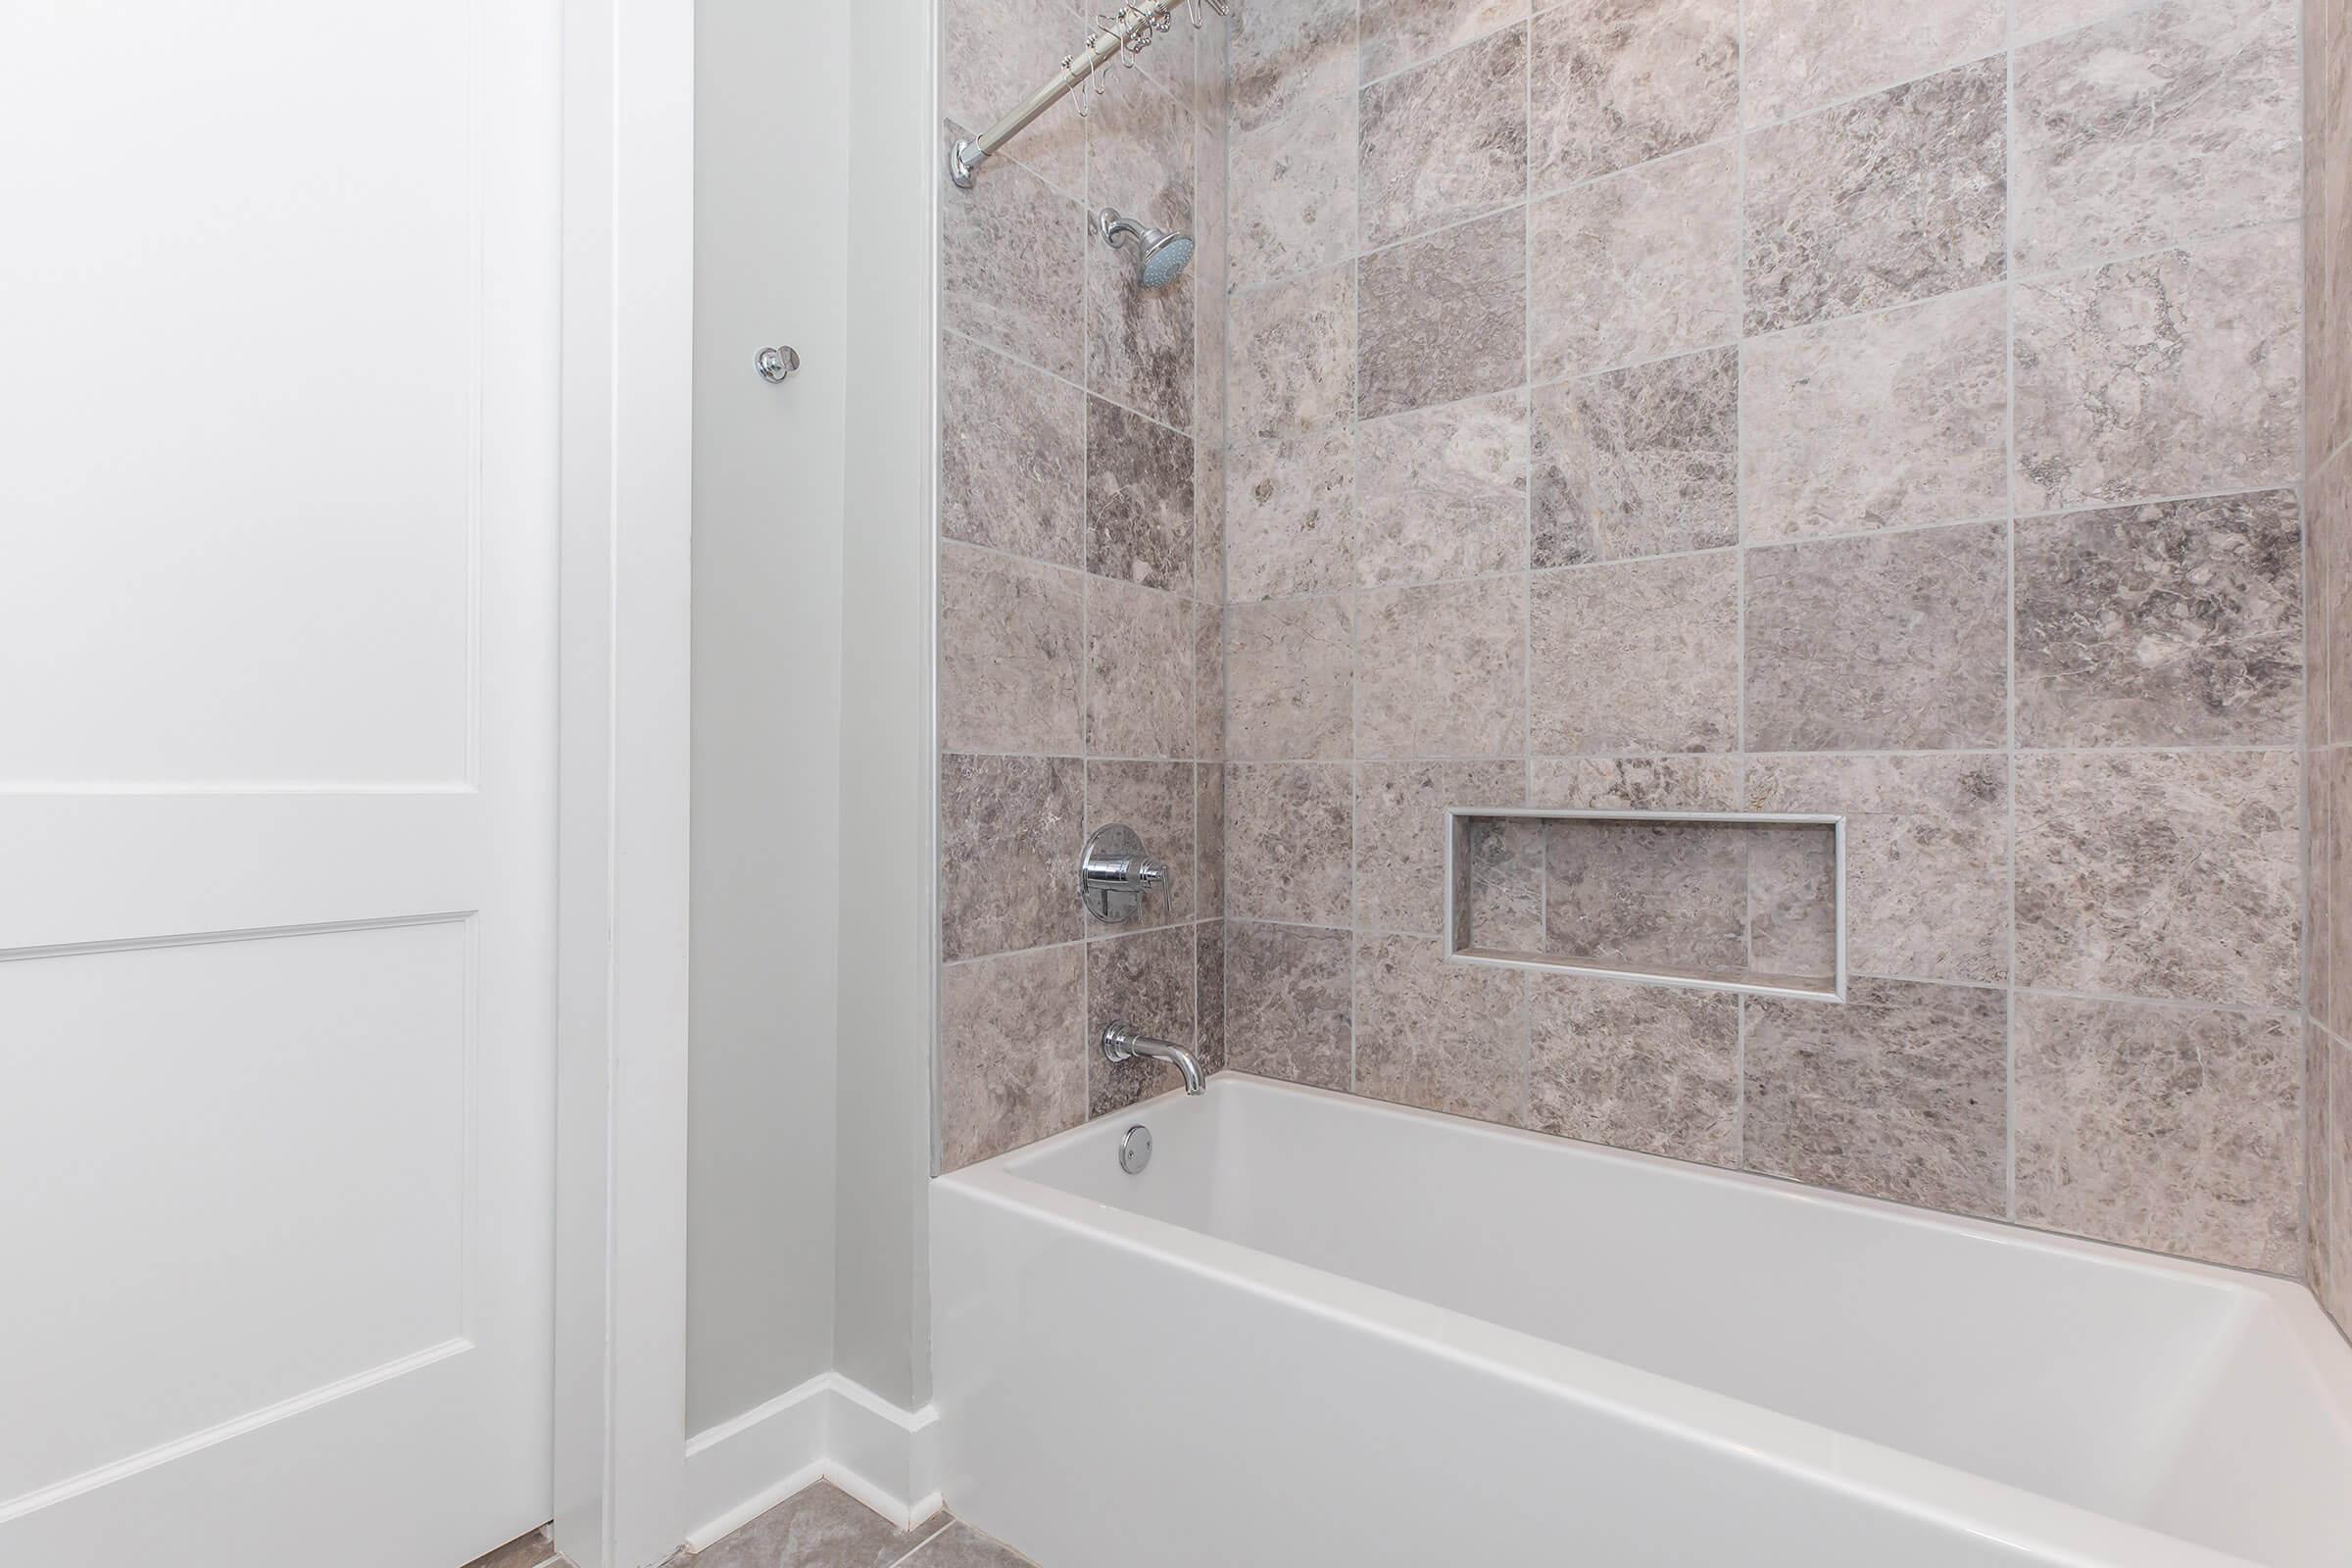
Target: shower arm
1117,32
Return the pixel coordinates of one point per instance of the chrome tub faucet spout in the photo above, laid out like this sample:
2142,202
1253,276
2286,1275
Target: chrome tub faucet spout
1120,1043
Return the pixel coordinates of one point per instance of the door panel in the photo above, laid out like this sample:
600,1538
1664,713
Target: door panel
276,763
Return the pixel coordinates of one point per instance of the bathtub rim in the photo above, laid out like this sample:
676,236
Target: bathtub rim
1872,1473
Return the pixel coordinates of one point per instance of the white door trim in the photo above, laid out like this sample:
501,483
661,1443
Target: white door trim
621,1081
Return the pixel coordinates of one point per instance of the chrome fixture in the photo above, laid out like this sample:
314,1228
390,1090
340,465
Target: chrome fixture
1120,1043
1130,29
1135,1150
1114,873
778,365
1162,255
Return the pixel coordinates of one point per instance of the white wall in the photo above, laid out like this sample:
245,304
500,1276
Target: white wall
770,198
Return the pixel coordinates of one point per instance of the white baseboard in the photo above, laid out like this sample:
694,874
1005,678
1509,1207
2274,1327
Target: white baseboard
827,1429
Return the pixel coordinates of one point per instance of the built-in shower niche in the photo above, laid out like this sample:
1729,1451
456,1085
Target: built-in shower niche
1719,901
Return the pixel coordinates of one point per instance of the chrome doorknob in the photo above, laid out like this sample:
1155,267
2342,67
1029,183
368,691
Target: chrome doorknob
777,365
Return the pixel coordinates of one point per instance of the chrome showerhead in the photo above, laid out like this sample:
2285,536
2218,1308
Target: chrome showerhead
1163,257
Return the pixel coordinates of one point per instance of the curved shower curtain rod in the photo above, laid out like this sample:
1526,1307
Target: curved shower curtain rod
1131,29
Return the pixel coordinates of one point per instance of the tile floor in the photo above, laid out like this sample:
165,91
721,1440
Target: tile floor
823,1526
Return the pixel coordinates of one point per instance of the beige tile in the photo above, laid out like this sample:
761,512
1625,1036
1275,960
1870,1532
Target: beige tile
1012,455
1208,517
1011,1064
1209,831
1139,149
1502,886
1448,1037
2331,1178
1802,54
1293,357
1141,662
1442,141
1288,54
1209,995
1640,461
1400,835
1647,895
1139,499
1209,684
1010,830
1010,640
1288,831
1619,82
1290,680
1144,981
2168,1128
1792,900
1442,671
1141,342
1890,420
1292,516
1893,198
2177,373
1898,642
1288,1008
1444,316
1441,492
2178,623
1636,267
2173,874
2037,17
993,53
1928,855
2162,125
1636,783
1639,655
1404,32
1293,193
1157,801
1642,1068
1898,1094
1012,266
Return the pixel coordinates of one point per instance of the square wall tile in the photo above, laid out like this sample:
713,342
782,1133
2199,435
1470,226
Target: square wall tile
1802,54
1397,34
1011,829
1649,894
1400,835
1014,264
1010,637
1444,141
1893,198
1642,1068
1284,55
2170,1128
1639,655
1444,316
1927,856
1441,492
1140,341
1639,462
1288,1005
1157,799
2167,624
2166,125
1292,347
1144,981
1442,671
1448,1037
1896,419
1638,266
1012,455
1499,892
1011,1043
1290,680
1288,832
2177,374
1892,643
1899,1094
2173,874
1293,193
1619,85
1139,499
1290,516
1139,149
1141,662
1635,783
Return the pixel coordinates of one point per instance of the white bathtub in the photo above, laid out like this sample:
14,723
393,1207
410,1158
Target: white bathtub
1323,1331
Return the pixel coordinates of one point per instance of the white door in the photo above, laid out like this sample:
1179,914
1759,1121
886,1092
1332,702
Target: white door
278,475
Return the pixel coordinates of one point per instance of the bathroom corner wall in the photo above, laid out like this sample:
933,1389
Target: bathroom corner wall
1804,406
2328,442
1081,573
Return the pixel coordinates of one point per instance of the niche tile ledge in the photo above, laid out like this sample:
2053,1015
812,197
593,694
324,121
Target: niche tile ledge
1750,902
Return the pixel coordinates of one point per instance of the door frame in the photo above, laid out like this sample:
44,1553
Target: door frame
626,701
